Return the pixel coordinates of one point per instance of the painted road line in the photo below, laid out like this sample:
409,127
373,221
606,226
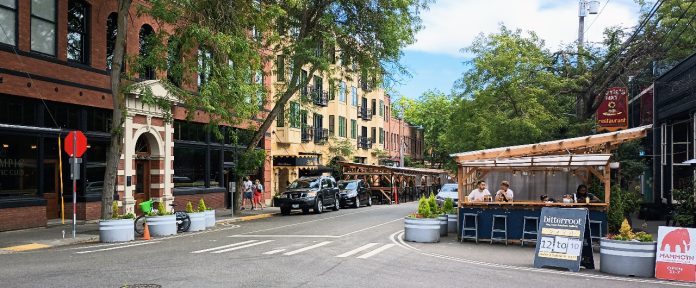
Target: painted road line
223,247
376,251
356,250
117,247
25,247
273,252
241,247
371,227
283,236
307,248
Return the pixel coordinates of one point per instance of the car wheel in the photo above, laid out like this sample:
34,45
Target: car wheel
356,202
337,203
285,211
369,200
318,206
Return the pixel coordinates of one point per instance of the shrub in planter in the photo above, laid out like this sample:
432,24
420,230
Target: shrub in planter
628,253
118,229
448,208
197,218
209,213
422,226
441,216
161,222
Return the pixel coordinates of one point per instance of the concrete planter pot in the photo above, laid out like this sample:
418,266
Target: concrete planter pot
198,221
209,218
452,223
423,230
118,230
627,258
161,225
444,226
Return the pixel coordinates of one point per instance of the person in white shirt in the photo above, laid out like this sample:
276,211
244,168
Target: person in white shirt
477,195
505,194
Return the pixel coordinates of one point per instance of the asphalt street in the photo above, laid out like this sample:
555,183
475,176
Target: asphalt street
349,248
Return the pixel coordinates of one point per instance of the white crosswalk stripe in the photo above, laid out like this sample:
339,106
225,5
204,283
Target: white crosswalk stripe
241,247
117,247
376,251
307,248
223,247
273,252
356,250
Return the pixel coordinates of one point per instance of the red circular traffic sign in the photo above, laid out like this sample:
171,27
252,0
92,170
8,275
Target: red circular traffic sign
78,140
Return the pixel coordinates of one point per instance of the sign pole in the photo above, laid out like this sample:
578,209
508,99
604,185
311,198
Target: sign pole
74,193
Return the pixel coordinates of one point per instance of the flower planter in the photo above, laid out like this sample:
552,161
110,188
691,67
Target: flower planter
627,258
209,218
198,221
452,223
161,225
118,230
444,226
423,230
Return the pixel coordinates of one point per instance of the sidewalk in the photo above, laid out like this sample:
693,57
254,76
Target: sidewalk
57,234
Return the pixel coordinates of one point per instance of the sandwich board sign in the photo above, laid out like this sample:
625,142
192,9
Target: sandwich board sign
563,239
676,256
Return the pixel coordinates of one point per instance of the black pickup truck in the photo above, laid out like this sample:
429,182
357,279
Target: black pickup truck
310,192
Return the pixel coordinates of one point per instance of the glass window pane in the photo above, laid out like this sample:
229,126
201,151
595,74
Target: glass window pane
43,36
75,46
8,3
44,8
8,24
18,173
189,167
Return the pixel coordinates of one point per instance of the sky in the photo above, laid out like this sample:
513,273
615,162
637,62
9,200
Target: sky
435,60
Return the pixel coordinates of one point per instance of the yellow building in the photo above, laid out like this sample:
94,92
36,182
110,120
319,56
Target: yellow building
335,112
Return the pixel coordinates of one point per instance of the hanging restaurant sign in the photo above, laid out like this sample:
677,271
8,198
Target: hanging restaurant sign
612,114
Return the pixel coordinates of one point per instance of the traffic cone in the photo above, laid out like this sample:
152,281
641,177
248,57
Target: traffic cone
146,234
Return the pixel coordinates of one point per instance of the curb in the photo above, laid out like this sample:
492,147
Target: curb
246,218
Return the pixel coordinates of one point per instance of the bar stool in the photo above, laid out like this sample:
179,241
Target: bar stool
525,232
595,236
504,230
466,228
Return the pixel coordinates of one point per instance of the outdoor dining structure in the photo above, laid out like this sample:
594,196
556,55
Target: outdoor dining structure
391,184
554,168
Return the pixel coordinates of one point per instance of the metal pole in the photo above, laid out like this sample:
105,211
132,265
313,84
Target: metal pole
74,193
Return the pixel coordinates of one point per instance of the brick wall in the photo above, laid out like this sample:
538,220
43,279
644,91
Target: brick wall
85,210
213,200
22,218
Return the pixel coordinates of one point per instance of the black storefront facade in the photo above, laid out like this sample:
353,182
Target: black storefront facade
674,127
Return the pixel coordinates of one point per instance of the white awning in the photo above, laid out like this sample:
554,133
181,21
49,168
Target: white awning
578,160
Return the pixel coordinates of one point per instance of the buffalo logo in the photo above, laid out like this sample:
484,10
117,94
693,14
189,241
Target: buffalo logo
677,238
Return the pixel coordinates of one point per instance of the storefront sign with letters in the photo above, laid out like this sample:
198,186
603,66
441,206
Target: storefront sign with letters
563,239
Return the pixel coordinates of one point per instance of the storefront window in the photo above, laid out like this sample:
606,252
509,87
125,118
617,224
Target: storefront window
18,171
95,167
17,111
189,167
215,177
99,120
184,130
66,116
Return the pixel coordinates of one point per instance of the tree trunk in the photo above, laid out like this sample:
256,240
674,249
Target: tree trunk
114,152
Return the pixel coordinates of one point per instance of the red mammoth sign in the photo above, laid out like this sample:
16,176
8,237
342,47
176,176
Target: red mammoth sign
612,113
676,257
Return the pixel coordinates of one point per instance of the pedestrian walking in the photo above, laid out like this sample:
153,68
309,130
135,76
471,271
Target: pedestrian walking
258,195
247,187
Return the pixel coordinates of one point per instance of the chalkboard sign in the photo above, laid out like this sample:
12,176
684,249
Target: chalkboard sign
563,239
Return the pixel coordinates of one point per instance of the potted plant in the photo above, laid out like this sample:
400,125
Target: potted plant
118,229
422,226
161,222
448,208
628,253
209,213
197,216
441,216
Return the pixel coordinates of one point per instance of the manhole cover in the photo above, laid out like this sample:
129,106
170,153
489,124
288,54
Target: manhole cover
142,286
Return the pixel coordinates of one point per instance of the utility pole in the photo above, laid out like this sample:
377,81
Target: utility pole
584,7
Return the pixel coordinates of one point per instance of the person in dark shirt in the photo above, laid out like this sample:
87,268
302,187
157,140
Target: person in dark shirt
582,195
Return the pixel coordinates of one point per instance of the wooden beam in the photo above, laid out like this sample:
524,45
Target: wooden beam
596,173
460,183
607,184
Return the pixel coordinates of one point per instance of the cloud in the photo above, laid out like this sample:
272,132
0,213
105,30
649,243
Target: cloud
453,24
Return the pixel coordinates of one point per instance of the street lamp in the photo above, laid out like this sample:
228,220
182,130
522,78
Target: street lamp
585,7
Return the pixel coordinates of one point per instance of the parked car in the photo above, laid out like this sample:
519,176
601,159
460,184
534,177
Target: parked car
310,192
354,193
449,190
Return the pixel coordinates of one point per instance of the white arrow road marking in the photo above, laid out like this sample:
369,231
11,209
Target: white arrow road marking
241,247
223,247
376,251
356,250
273,252
117,247
307,248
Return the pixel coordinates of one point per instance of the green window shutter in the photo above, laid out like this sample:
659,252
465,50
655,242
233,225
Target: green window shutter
353,129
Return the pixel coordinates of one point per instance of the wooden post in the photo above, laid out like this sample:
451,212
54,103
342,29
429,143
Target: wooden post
460,184
607,183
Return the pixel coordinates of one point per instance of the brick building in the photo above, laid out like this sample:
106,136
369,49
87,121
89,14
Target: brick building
54,77
399,132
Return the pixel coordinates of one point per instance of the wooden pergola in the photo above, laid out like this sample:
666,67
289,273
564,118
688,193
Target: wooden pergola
385,178
581,155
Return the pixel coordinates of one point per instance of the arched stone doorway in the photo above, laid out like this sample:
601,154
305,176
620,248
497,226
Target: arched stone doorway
145,152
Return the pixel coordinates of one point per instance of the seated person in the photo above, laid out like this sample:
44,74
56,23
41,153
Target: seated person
582,195
505,194
547,199
478,194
